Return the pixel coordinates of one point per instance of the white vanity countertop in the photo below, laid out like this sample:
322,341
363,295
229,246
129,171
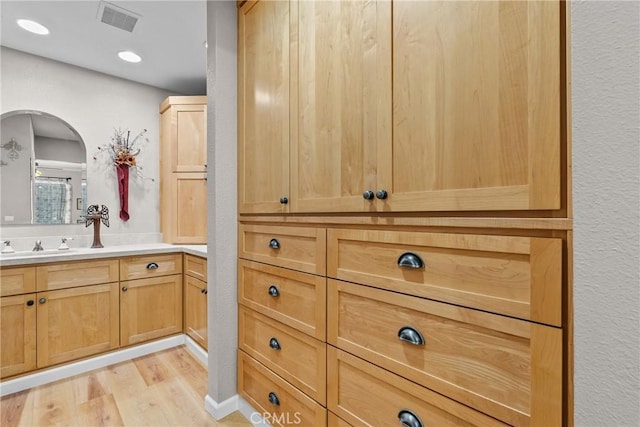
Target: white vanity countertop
77,254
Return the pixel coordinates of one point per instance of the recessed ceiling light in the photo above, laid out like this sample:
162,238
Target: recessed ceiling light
127,55
33,27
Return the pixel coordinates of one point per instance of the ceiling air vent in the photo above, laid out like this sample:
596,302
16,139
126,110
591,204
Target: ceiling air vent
117,17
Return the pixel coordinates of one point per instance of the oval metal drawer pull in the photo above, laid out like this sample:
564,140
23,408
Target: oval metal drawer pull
273,399
410,335
410,260
274,344
152,266
274,244
273,291
409,419
30,302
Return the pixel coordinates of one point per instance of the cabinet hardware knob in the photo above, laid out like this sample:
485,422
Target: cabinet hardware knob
368,195
152,266
381,194
30,302
206,291
274,344
410,335
205,165
274,244
42,300
273,399
273,291
124,289
202,291
409,419
206,179
410,260
284,200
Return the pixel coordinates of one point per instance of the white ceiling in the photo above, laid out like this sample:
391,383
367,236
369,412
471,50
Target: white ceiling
170,38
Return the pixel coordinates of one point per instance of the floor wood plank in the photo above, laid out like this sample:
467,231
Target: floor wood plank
101,411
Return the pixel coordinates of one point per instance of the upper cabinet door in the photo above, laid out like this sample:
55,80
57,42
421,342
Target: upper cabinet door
189,128
476,107
263,107
341,108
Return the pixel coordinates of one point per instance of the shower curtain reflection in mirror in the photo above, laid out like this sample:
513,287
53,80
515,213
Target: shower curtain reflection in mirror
52,200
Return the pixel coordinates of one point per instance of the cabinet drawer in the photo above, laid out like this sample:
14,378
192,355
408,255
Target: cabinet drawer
514,276
296,357
279,402
296,299
74,274
297,248
364,394
139,267
195,266
17,280
508,368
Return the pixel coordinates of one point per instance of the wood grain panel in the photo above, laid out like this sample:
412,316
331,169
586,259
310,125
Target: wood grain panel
343,103
366,395
195,266
489,362
263,106
17,280
140,267
301,249
255,382
75,323
195,310
515,276
189,208
77,273
476,117
190,133
18,334
301,300
150,308
299,359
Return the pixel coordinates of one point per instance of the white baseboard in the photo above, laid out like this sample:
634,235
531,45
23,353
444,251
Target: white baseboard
197,351
232,404
82,366
254,417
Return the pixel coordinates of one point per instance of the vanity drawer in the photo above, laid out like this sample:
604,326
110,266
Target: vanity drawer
364,394
73,274
507,368
17,280
279,402
290,297
515,276
195,266
296,357
297,248
138,267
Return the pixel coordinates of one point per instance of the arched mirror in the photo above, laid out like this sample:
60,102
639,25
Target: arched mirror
43,172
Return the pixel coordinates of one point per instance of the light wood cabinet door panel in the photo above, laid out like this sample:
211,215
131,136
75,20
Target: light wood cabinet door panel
476,107
515,276
17,334
188,208
150,308
297,248
263,106
195,266
78,273
195,310
75,323
366,395
507,368
343,95
296,357
144,266
17,280
261,387
183,129
294,298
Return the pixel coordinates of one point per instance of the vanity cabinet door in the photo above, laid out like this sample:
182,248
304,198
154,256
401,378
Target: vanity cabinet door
185,219
17,334
195,310
76,322
150,308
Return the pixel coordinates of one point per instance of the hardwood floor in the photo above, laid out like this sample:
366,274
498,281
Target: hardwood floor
161,389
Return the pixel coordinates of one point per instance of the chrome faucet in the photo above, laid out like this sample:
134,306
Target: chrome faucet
7,249
38,247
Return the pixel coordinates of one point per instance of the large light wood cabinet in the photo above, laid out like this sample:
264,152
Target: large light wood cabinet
183,166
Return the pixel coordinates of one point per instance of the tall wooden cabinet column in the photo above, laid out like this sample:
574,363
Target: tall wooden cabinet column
183,169
422,148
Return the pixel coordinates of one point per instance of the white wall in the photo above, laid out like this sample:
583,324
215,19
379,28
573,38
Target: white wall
94,104
606,176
